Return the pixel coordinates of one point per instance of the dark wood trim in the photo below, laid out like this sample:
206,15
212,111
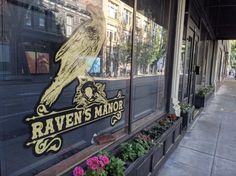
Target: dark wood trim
170,51
131,87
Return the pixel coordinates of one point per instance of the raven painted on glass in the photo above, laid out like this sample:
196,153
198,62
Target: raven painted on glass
77,54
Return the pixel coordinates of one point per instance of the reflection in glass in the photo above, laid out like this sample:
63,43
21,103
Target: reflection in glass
42,63
187,65
27,58
181,72
150,47
30,55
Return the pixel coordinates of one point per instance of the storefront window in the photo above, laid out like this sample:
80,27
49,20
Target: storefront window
189,44
150,58
66,76
66,64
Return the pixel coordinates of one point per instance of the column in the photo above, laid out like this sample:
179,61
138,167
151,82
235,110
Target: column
175,108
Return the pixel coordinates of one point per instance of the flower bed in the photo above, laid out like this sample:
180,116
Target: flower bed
142,155
102,165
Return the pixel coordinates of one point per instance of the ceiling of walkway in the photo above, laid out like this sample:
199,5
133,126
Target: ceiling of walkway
222,16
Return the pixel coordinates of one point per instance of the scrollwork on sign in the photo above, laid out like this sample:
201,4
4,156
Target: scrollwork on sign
50,144
116,118
42,110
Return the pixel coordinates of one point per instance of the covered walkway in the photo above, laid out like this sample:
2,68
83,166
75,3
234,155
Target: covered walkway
209,147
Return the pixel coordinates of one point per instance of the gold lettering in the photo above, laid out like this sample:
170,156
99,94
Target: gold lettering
87,114
49,127
60,121
69,120
105,110
120,105
116,106
98,112
78,118
110,107
37,130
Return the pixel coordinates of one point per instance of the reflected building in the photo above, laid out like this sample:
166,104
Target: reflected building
41,26
37,29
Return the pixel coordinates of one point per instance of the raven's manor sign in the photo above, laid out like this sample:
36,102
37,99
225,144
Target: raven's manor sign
90,102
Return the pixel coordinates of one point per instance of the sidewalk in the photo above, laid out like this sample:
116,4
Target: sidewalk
209,147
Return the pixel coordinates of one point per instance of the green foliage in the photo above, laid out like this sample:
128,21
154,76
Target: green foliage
155,132
185,107
150,51
127,152
116,166
165,123
139,149
146,144
203,91
96,173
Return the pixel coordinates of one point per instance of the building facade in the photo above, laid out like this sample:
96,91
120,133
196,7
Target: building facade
74,69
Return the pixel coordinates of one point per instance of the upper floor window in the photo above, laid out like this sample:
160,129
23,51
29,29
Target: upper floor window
41,22
28,19
145,26
127,17
112,33
112,10
127,36
138,22
69,25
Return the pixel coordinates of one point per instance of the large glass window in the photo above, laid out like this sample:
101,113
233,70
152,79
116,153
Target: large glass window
68,67
150,57
181,72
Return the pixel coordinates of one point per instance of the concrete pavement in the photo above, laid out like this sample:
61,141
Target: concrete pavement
209,146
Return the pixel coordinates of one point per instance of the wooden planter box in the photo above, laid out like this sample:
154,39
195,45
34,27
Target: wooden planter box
153,160
158,156
168,142
140,167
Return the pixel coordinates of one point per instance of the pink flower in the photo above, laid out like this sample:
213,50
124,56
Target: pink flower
78,171
89,162
93,163
104,159
93,167
102,164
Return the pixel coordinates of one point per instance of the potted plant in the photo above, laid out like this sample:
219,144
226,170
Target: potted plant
187,114
202,96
